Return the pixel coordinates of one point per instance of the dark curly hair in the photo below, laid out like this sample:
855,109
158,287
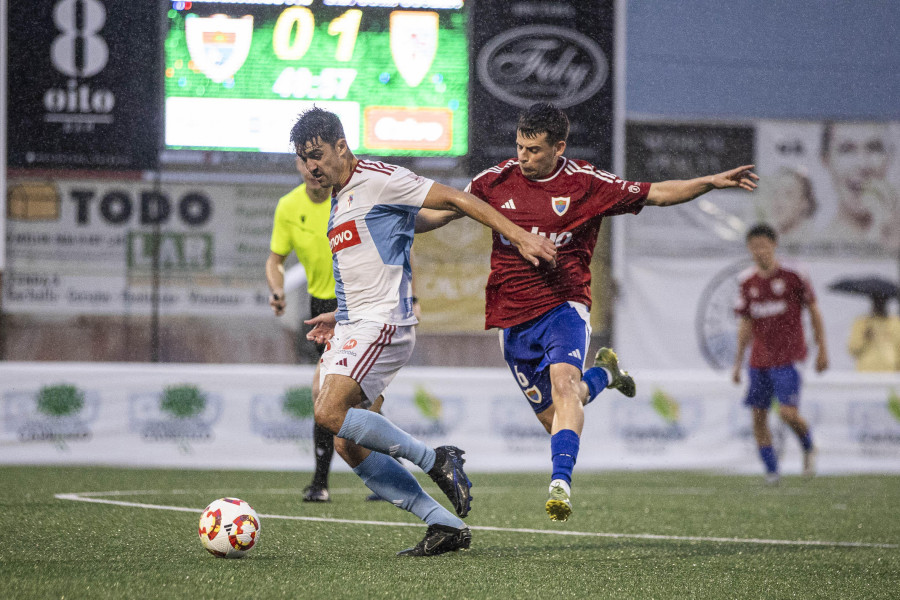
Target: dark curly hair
544,118
317,123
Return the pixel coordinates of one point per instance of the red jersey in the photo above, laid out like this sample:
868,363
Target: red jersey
566,207
774,305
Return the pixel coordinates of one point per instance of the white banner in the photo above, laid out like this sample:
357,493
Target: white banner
251,417
831,190
675,313
87,247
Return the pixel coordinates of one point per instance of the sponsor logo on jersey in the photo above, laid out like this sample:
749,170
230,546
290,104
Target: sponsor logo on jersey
350,345
760,310
509,205
559,239
343,236
560,205
634,189
341,363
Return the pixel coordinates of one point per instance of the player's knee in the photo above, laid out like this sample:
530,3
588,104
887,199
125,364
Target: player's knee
352,453
327,417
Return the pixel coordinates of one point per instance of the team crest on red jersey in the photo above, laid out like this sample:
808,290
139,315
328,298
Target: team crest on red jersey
560,205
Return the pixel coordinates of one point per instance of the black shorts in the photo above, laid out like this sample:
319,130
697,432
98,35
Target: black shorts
317,306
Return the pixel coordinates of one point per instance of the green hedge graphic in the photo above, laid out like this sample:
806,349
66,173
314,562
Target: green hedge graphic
183,401
60,400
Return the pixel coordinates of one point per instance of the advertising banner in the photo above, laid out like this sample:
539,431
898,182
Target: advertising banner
829,188
674,313
245,417
557,51
450,269
88,247
84,84
831,191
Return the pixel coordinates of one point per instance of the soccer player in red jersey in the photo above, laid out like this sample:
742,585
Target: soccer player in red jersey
770,308
543,312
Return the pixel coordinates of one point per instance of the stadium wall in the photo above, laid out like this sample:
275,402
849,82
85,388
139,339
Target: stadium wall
256,417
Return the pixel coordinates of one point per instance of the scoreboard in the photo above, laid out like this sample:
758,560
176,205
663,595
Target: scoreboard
238,73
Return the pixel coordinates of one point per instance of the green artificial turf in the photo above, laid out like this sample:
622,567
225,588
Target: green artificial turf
59,548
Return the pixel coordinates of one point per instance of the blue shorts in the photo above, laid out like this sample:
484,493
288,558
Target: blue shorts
561,335
776,382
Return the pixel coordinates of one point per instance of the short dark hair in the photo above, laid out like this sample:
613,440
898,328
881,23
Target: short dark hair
544,118
762,230
317,123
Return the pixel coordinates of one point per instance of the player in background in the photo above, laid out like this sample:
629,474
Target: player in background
372,334
301,224
770,308
542,312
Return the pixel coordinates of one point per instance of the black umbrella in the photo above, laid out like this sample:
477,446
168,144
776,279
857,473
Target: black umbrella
873,286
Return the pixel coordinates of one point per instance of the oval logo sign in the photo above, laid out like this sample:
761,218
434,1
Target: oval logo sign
546,63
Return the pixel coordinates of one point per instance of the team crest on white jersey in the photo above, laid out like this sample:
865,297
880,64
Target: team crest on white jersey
560,205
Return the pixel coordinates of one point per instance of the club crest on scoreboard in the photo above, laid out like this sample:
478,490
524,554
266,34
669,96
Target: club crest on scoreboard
414,43
219,45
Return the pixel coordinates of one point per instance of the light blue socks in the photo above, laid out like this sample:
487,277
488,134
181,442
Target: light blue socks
387,478
373,431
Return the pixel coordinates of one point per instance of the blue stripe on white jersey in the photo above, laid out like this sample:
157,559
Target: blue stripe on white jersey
371,232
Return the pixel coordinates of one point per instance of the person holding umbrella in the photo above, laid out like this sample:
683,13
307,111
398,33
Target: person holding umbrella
874,338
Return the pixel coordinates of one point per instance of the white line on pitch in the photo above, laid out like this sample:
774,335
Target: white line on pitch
635,536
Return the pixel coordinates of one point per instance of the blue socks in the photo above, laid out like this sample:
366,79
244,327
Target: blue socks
596,379
767,454
371,430
806,441
564,451
387,478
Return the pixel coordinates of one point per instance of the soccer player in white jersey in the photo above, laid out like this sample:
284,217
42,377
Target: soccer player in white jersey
542,312
371,335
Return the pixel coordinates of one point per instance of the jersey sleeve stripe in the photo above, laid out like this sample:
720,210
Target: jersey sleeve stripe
378,167
496,169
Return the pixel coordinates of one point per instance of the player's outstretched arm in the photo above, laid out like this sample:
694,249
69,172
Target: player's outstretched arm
678,191
534,248
429,219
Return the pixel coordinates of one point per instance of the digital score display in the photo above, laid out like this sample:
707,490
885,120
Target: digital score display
396,72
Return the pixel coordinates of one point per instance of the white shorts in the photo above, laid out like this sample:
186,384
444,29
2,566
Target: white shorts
370,353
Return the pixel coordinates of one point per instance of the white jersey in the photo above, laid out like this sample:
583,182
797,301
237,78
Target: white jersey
371,233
